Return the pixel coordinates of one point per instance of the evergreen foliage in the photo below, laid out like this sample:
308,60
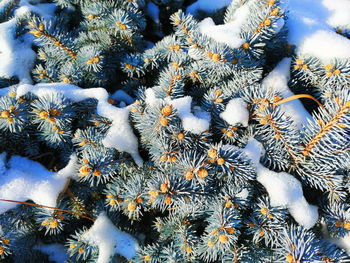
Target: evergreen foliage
199,195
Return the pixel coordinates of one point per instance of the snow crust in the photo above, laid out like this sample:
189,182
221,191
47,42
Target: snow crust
283,189
191,122
343,242
56,252
196,122
277,81
236,112
16,56
207,6
22,179
110,240
226,33
119,136
312,24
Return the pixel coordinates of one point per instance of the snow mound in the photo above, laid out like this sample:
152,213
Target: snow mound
283,189
119,136
312,25
277,81
236,112
110,240
16,55
196,122
226,33
22,179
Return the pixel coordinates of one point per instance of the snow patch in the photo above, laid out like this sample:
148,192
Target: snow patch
23,179
190,122
226,33
343,242
312,23
236,112
196,122
119,136
283,189
326,45
16,56
243,194
339,16
110,240
277,82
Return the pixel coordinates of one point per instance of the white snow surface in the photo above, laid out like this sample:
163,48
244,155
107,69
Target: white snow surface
207,6
311,25
119,136
16,56
226,33
110,240
277,81
56,252
236,112
22,179
191,122
343,242
283,189
196,122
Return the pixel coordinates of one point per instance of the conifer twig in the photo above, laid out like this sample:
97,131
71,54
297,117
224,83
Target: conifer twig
298,96
50,207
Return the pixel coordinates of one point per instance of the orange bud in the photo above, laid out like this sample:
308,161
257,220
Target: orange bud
167,110
189,176
163,121
212,153
153,193
53,223
246,46
290,258
228,205
164,158
97,173
164,188
347,225
181,136
264,210
202,173
216,57
220,161
147,258
43,115
112,202
168,200
223,238
131,206
210,243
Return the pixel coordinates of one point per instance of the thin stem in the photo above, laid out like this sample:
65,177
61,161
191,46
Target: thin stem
298,96
50,207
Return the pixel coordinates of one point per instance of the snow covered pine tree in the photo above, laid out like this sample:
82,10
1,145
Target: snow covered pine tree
174,131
